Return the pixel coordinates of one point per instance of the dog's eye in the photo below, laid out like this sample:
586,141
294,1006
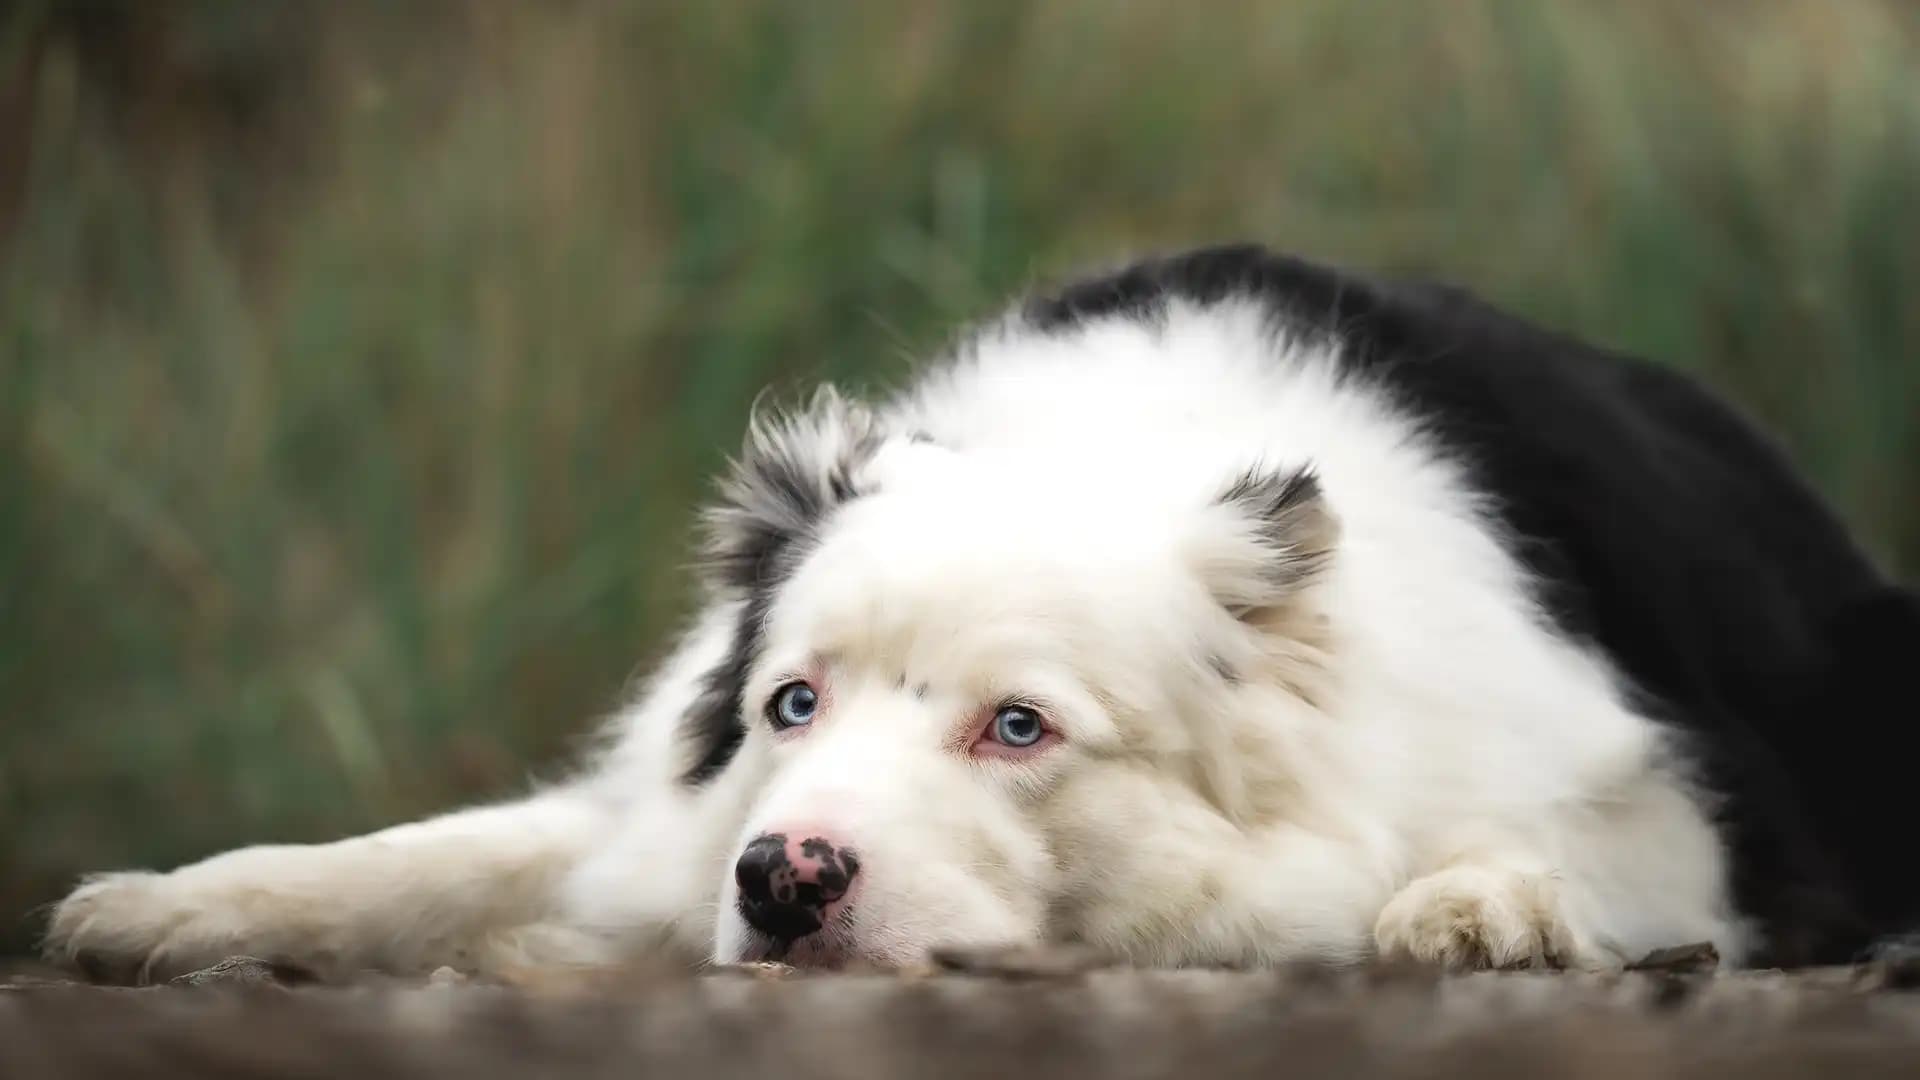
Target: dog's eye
1017,726
793,706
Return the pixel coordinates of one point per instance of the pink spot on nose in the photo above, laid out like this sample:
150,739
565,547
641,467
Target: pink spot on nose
817,861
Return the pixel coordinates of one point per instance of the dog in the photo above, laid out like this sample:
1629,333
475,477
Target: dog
1224,608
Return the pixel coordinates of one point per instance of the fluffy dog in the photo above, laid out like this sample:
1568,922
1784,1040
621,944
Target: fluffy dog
1226,609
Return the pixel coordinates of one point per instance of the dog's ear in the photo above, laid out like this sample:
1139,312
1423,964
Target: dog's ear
1267,535
793,471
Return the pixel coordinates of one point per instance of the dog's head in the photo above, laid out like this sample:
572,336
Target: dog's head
995,698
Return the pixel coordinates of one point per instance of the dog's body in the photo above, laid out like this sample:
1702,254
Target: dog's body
1228,609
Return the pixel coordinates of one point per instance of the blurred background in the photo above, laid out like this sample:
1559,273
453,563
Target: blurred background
361,364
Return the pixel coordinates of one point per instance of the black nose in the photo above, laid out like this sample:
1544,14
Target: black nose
786,888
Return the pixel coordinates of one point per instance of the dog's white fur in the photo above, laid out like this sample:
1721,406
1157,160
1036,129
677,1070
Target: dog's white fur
1391,750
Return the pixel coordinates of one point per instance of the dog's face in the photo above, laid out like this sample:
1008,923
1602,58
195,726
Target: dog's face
991,705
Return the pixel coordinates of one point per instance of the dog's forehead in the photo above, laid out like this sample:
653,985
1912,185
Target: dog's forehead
984,530
989,506
973,559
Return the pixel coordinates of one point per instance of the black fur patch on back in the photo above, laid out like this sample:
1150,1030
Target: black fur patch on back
1141,291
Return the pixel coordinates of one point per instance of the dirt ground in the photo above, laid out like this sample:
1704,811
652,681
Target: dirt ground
1051,1015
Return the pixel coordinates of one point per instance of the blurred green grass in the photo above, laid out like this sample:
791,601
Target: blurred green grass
360,365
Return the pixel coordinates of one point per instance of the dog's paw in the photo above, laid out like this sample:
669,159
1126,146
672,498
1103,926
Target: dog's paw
113,924
1467,918
138,927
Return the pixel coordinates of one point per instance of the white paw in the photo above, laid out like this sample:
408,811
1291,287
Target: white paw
115,925
139,927
1469,917
316,911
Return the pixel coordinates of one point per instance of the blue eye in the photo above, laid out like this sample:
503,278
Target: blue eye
1017,726
793,706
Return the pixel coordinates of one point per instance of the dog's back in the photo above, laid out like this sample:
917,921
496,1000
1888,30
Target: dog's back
1667,530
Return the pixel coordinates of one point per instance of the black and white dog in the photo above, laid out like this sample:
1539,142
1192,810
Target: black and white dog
1226,609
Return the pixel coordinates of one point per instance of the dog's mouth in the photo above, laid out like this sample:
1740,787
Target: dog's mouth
836,946
823,950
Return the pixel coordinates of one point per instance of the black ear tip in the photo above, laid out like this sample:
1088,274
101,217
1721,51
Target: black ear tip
1303,485
1266,492
796,468
1286,510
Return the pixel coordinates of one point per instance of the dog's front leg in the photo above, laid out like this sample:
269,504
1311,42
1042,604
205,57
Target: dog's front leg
473,890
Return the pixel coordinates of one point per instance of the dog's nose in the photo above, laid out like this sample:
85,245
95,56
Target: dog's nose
790,882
